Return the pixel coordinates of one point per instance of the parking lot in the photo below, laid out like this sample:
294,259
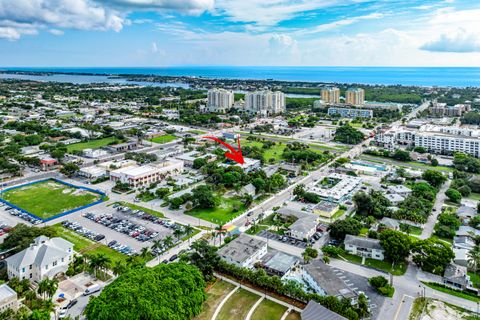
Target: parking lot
359,285
285,239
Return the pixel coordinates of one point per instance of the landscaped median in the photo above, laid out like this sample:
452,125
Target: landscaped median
454,292
86,246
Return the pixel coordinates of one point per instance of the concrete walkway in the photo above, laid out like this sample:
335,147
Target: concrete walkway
217,311
266,296
252,309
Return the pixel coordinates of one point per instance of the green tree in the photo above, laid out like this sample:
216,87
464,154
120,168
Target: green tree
204,257
432,255
396,245
435,178
474,258
340,228
172,291
203,197
69,169
453,195
349,135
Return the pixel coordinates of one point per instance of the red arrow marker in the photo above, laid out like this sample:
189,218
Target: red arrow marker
235,155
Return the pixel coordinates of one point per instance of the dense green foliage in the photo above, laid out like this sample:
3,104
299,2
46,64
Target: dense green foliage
382,286
447,225
396,245
168,291
340,228
466,163
432,255
435,178
348,134
372,204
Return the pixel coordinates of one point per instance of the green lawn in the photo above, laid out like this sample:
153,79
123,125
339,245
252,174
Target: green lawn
397,270
92,144
274,152
256,229
220,214
268,310
238,305
474,196
338,214
215,294
163,139
416,231
475,278
136,207
352,258
363,232
87,246
49,198
197,131
293,316
457,293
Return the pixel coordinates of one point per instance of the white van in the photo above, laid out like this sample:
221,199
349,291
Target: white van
92,289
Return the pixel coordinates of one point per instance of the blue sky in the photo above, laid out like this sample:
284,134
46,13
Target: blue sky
239,32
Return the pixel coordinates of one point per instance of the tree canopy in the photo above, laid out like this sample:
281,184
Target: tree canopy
432,255
348,134
168,291
396,245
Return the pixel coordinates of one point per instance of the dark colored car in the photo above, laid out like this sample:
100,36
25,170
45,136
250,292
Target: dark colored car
71,304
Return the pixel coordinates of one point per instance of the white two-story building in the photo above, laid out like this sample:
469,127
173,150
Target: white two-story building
43,258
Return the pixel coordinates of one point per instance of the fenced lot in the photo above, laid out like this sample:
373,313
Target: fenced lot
47,199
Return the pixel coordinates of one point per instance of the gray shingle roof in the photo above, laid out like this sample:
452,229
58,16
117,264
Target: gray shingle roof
363,242
315,311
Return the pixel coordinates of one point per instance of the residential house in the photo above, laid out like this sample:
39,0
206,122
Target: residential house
305,225
279,263
326,208
8,298
400,190
457,277
323,280
43,258
249,189
243,251
394,198
364,247
389,223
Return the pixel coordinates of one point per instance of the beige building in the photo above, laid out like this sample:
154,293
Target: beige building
139,176
330,95
265,102
8,298
219,100
355,96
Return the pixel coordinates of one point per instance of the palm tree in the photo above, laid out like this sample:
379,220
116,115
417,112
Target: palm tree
119,267
157,245
474,258
188,230
306,257
52,287
43,287
177,233
247,200
220,232
168,242
145,253
326,259
103,261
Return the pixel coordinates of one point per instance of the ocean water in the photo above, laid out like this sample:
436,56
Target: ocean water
419,76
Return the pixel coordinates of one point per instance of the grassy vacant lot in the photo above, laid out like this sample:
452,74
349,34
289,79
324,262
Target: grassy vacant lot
268,310
293,316
276,151
86,246
49,198
92,144
397,270
163,139
222,213
215,294
238,305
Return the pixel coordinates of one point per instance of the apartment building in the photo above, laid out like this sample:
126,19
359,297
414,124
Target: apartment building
438,109
45,257
138,176
433,138
364,247
350,113
219,100
330,95
265,102
355,96
244,251
8,298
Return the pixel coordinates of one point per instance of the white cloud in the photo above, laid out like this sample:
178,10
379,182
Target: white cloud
345,22
271,12
56,32
184,6
461,41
